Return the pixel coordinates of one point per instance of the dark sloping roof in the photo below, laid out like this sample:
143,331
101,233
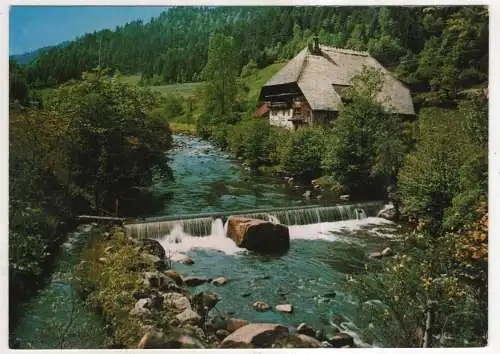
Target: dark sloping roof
316,76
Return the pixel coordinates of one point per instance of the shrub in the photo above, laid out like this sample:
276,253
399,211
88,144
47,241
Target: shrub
250,139
301,152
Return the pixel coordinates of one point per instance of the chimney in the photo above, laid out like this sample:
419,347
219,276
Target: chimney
316,49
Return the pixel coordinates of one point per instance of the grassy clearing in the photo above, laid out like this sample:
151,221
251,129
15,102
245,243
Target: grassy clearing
184,90
131,79
256,80
190,94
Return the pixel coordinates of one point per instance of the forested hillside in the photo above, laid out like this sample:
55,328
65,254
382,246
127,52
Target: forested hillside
438,50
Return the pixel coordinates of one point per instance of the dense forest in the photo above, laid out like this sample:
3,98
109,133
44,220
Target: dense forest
435,49
66,159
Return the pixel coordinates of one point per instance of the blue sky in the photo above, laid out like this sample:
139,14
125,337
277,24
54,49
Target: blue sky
33,27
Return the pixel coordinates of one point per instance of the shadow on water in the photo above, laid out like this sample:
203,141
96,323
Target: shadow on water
56,318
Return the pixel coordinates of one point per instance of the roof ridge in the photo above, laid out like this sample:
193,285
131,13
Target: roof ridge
345,51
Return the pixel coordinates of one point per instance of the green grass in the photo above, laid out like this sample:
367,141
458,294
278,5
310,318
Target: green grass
259,78
184,90
191,90
131,79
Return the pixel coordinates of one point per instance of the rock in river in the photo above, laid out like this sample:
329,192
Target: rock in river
260,335
220,281
307,341
181,258
258,235
261,306
287,308
304,328
235,323
194,281
341,340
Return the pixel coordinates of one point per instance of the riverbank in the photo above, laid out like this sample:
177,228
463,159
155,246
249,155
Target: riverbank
57,317
151,299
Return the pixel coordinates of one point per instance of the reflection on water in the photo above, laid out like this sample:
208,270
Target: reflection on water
56,317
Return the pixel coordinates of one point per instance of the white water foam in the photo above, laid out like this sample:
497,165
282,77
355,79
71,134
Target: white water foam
325,230
180,241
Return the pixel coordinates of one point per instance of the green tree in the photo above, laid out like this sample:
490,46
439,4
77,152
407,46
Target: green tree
250,139
18,85
117,144
173,107
448,167
221,75
300,152
367,145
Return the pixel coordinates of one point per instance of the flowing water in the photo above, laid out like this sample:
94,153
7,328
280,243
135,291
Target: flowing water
328,242
56,318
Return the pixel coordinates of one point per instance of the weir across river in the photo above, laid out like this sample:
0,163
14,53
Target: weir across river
204,224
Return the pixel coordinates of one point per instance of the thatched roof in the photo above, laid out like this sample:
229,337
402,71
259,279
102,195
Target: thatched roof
319,77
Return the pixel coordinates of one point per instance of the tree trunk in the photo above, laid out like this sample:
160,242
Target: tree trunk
428,325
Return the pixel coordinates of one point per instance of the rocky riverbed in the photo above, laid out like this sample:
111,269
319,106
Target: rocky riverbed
167,313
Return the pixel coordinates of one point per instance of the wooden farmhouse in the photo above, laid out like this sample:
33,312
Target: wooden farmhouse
310,88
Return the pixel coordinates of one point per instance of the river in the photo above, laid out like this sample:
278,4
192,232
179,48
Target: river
327,244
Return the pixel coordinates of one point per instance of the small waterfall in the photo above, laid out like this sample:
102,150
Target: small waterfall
203,225
361,214
273,219
317,215
155,229
218,228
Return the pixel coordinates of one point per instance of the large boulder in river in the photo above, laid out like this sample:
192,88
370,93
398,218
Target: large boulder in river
258,235
259,335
